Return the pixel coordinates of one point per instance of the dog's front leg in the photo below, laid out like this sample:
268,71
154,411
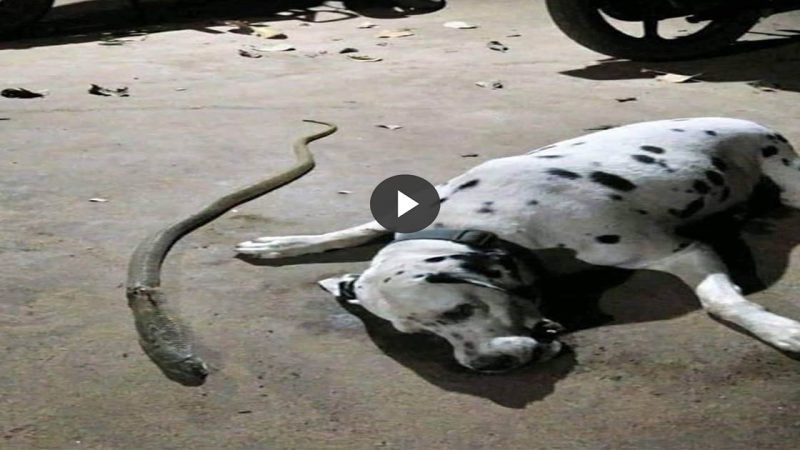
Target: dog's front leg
702,269
269,247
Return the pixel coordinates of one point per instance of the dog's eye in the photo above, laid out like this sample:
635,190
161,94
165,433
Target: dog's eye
460,313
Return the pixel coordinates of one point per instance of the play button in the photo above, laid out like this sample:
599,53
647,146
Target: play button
404,203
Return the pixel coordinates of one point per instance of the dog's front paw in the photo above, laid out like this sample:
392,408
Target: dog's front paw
277,247
787,338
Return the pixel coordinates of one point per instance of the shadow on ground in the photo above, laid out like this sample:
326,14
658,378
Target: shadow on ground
104,19
770,64
755,243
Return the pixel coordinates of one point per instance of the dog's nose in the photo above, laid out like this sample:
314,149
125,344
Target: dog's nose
494,363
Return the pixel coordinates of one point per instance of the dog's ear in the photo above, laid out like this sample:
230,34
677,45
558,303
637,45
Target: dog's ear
342,287
461,278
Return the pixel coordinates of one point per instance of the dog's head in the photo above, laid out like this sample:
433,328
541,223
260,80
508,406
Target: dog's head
481,302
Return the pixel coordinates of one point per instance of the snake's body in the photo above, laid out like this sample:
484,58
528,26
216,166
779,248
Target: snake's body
161,335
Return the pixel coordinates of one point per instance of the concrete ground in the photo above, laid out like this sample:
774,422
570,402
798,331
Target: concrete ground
292,368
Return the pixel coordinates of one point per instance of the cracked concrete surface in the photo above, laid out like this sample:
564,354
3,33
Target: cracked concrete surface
293,368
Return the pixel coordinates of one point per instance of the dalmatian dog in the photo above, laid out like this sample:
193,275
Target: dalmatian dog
615,198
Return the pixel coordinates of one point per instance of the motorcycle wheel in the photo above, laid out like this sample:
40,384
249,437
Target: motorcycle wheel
17,14
582,21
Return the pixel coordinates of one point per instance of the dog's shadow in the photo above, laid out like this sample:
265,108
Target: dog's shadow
756,252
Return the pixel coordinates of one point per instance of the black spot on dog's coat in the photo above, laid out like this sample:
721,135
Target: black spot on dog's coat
612,181
679,130
608,239
711,132
469,184
564,173
691,209
768,151
652,149
644,159
533,202
785,162
721,165
725,194
435,259
578,143
701,187
486,210
387,279
400,272
443,199
458,314
715,177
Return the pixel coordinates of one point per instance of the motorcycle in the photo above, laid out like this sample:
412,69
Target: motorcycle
591,23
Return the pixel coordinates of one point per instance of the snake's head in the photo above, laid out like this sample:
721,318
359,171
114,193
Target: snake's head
191,371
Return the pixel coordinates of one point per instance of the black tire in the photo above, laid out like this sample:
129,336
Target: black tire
18,14
582,22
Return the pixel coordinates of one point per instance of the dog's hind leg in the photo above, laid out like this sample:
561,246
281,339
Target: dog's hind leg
269,247
700,268
782,165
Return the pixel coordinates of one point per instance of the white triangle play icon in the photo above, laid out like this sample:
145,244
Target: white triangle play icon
404,204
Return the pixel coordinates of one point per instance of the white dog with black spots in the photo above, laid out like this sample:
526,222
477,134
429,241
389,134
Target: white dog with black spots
615,198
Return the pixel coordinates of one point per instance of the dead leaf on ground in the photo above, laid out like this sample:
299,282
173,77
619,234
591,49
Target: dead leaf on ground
396,33
389,127
513,35
262,31
600,128
672,77
365,25
249,54
626,99
98,200
470,155
497,46
348,50
364,58
494,84
21,93
106,92
273,48
460,25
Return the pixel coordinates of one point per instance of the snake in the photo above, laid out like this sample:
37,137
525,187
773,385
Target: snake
162,335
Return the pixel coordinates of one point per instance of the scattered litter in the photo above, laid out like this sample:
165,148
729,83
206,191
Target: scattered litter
367,25
672,77
98,200
303,24
494,84
513,35
345,192
364,58
764,86
470,155
262,31
273,48
317,53
497,46
245,411
460,25
105,92
5,118
382,44
626,99
396,33
348,50
249,54
600,128
389,127
21,93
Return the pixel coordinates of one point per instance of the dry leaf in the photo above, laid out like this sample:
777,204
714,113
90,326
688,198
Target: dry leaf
21,93
470,155
98,200
396,34
248,54
494,84
497,46
367,25
364,58
626,99
460,25
273,48
106,92
389,127
263,31
348,50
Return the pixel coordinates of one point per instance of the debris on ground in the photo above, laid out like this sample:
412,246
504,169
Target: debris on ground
345,192
98,200
245,411
106,92
116,40
367,25
348,50
497,46
764,86
672,77
600,128
626,99
249,54
272,48
303,24
21,93
180,89
396,33
470,155
389,127
382,44
5,118
364,58
262,31
460,25
494,84
317,53
513,35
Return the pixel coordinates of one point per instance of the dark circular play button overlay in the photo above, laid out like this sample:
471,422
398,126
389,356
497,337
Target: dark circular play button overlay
404,203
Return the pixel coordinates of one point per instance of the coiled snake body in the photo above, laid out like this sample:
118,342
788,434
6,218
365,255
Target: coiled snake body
162,336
